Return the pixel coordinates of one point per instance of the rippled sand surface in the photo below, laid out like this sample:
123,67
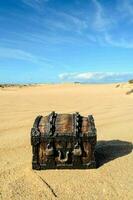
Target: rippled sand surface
113,113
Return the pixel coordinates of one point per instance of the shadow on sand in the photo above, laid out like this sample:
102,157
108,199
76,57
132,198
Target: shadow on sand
110,150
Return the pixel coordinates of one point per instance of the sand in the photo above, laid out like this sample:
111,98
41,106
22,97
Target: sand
113,113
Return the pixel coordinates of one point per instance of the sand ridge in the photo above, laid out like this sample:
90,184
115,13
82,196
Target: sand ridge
113,113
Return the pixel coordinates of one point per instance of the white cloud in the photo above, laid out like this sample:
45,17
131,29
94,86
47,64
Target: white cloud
96,77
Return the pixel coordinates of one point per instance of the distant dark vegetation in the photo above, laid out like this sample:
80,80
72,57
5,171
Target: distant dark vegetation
15,85
130,81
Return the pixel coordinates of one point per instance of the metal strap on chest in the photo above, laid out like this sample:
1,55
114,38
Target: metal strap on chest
77,123
52,119
50,149
77,130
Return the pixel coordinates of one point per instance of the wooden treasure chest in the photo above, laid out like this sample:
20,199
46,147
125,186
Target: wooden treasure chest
63,141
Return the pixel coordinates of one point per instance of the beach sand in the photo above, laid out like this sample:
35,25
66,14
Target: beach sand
113,113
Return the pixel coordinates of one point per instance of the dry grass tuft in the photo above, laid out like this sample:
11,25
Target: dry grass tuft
129,92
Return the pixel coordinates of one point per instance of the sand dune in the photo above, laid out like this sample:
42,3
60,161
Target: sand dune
113,113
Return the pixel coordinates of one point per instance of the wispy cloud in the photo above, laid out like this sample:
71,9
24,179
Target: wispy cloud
80,24
62,27
35,4
67,27
66,21
121,42
108,23
96,77
125,7
102,21
19,54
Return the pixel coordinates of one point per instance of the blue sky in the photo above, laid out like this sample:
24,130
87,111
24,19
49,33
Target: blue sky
66,40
